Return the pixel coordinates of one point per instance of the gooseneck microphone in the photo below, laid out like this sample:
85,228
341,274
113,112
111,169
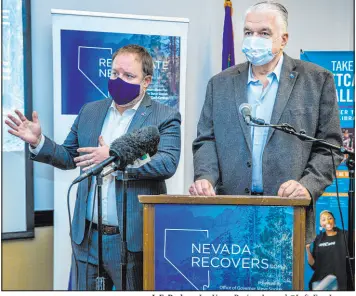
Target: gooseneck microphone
246,110
126,149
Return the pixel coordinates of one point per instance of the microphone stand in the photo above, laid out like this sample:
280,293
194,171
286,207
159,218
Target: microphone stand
123,235
350,163
100,280
351,192
123,230
124,223
124,250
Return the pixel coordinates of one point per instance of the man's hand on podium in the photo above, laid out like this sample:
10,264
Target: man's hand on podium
289,189
293,189
202,187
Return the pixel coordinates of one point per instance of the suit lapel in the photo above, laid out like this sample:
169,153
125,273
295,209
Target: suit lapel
240,88
95,130
98,124
141,114
287,80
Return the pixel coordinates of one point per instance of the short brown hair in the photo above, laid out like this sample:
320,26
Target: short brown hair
143,55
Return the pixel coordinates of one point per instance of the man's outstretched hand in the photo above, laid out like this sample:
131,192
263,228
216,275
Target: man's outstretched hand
26,130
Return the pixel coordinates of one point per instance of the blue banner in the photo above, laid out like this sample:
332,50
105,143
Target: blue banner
341,64
221,247
86,66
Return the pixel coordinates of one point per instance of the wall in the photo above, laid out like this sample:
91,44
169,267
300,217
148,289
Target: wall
313,25
28,264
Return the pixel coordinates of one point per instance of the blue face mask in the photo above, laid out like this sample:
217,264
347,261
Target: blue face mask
258,50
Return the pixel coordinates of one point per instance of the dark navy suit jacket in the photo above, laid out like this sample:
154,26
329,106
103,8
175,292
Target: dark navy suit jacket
148,179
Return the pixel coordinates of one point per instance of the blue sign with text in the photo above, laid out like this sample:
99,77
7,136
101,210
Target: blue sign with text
223,247
86,59
341,65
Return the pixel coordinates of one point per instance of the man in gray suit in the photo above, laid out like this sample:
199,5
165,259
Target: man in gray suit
96,126
233,158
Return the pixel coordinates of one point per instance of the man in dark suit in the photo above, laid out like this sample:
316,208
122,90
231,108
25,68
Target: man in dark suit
233,158
96,126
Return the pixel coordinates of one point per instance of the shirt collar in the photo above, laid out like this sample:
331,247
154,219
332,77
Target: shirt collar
277,71
134,108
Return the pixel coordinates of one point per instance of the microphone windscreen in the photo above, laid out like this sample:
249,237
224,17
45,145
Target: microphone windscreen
134,145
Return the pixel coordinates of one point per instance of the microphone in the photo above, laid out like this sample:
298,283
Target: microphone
134,145
126,149
245,110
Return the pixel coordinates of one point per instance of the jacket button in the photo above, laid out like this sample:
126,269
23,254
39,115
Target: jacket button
247,190
248,164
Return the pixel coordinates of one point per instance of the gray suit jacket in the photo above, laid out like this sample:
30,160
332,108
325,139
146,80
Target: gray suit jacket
306,99
148,179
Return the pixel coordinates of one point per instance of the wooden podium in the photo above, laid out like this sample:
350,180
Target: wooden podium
223,242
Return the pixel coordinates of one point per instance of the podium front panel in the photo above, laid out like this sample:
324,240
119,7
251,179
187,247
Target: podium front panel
222,247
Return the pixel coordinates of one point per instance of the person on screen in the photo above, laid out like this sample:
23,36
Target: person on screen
328,257
231,157
87,144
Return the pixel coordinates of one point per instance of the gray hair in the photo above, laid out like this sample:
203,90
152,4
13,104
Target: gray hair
274,6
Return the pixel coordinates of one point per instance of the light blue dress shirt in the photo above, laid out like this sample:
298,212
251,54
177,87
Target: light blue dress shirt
262,102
